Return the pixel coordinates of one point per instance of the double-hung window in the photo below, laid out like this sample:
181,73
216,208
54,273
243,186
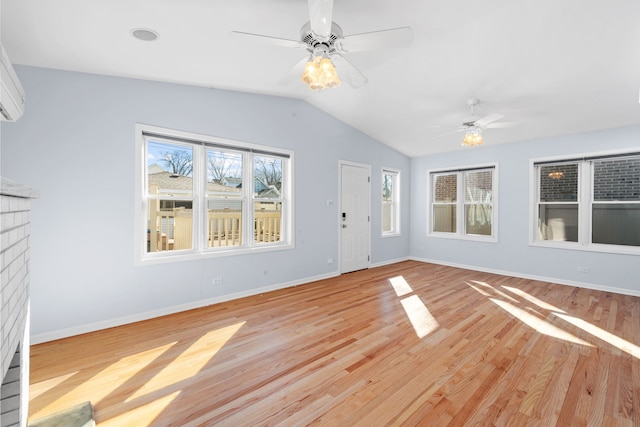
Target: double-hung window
390,202
201,195
462,203
591,203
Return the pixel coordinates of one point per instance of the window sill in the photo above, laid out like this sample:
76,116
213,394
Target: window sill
470,237
385,235
574,246
186,255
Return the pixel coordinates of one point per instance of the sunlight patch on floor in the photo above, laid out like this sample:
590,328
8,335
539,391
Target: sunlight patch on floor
491,288
400,285
540,325
143,415
478,289
95,387
533,299
419,316
190,361
606,336
36,390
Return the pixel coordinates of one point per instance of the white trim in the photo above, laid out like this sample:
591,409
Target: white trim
138,317
593,247
561,158
92,327
585,285
190,255
460,226
141,257
339,227
584,202
395,194
389,262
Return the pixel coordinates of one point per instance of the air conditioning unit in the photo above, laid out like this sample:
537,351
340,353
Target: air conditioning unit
11,91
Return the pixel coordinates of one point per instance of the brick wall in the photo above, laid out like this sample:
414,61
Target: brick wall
557,188
15,205
445,190
614,180
617,179
478,181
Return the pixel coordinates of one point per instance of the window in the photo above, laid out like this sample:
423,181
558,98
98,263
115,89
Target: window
462,203
207,196
589,203
390,202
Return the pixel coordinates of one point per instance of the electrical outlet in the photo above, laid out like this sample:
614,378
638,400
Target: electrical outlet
217,280
330,261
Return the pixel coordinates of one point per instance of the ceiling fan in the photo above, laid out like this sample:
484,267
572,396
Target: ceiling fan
326,45
474,125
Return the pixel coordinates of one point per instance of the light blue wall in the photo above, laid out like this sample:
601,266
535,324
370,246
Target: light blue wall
513,254
75,144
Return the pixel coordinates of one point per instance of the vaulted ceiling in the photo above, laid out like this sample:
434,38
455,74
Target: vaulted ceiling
552,67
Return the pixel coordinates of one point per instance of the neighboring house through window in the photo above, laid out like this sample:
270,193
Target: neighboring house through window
390,202
590,202
462,203
201,195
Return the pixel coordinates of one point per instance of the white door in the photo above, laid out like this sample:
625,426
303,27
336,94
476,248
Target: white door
354,217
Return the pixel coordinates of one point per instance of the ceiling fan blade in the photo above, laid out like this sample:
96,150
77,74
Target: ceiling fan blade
294,73
501,125
273,41
353,76
320,16
376,40
483,122
462,129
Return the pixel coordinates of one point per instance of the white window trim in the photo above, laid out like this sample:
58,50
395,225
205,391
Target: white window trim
142,257
585,182
396,201
459,234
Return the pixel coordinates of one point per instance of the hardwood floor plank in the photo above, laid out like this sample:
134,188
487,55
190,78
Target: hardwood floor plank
497,350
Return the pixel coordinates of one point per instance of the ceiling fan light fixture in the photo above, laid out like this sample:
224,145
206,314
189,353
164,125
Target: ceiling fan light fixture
329,74
472,137
320,73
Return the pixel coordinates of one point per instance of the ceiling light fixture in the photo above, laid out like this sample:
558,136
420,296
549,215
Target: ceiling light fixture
144,34
472,137
319,72
556,174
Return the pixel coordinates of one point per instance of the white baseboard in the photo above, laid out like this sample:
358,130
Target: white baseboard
391,261
596,287
111,323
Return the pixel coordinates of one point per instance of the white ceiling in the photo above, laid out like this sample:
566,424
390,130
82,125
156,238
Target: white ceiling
555,67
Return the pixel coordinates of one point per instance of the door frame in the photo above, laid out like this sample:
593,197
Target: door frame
338,218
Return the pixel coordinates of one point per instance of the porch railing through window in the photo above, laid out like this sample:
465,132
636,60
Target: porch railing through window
172,229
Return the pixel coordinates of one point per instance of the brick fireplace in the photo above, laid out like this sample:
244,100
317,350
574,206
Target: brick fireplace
15,204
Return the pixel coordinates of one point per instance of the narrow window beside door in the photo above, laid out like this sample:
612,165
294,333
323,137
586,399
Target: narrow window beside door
390,202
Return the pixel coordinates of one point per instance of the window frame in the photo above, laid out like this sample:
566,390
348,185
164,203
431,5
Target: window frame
395,203
460,203
200,144
585,202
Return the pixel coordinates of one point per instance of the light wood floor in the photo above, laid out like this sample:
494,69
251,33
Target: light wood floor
482,350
